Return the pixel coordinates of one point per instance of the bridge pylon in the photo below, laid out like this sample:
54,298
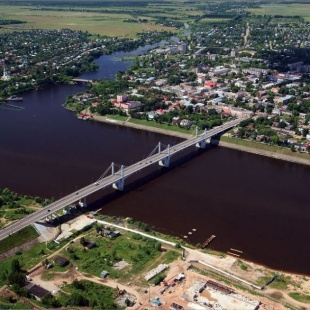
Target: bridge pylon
165,162
202,144
119,185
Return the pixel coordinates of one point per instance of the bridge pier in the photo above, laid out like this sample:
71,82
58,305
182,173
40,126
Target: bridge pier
202,144
83,203
119,185
165,162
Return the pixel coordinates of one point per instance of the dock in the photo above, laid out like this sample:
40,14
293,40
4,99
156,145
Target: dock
234,254
207,241
235,250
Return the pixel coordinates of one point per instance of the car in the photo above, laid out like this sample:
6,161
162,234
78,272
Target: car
77,193
48,210
96,183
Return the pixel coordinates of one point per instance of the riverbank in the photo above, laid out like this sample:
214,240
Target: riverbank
232,143
266,153
234,271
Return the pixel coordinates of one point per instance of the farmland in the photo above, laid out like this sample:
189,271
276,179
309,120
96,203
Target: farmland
302,10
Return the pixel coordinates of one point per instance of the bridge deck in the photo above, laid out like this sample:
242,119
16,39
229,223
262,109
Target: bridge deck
111,179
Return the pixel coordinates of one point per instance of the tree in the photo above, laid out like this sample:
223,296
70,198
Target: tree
82,241
15,266
78,300
17,278
282,124
50,301
158,246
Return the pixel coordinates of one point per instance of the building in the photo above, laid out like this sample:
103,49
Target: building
61,261
121,98
175,306
5,76
110,234
201,77
210,84
128,105
218,71
186,123
36,291
89,244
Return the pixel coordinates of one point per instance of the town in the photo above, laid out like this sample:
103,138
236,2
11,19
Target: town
187,84
226,63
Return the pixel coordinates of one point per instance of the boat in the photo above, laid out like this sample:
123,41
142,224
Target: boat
14,98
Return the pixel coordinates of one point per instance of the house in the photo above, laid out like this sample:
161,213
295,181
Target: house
210,84
104,274
36,291
89,244
61,261
151,115
186,123
110,234
121,98
176,120
114,234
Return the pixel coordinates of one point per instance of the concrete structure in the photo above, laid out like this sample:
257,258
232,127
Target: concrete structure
151,274
115,176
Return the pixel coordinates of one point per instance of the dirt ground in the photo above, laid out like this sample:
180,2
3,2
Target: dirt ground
143,295
228,264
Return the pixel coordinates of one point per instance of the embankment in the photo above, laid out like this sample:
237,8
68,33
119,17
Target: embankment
232,145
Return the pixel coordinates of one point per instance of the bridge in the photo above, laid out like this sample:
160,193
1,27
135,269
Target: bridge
115,176
83,81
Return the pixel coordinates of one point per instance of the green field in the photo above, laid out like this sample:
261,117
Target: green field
110,24
18,238
139,252
302,10
161,126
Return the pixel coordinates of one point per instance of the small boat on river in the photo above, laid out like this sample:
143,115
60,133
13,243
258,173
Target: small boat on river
14,98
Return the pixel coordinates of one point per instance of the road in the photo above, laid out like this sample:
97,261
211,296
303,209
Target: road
112,179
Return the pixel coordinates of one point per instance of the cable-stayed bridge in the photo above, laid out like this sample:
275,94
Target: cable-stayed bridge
115,176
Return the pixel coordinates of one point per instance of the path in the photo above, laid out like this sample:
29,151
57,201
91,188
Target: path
138,232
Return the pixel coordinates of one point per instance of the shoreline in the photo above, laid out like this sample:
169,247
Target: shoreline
231,145
223,266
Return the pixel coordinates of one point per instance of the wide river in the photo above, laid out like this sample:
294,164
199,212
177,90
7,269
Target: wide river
254,204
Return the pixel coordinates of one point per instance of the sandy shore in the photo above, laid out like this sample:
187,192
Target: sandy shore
265,153
187,136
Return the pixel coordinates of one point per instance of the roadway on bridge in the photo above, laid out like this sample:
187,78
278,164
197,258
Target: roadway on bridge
111,179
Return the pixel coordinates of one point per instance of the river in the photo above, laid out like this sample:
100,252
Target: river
254,204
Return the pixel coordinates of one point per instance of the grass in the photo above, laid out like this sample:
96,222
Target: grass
281,282
213,252
136,251
161,126
214,20
117,117
99,296
170,256
302,10
21,237
48,276
242,265
265,147
27,259
300,297
110,24
12,306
